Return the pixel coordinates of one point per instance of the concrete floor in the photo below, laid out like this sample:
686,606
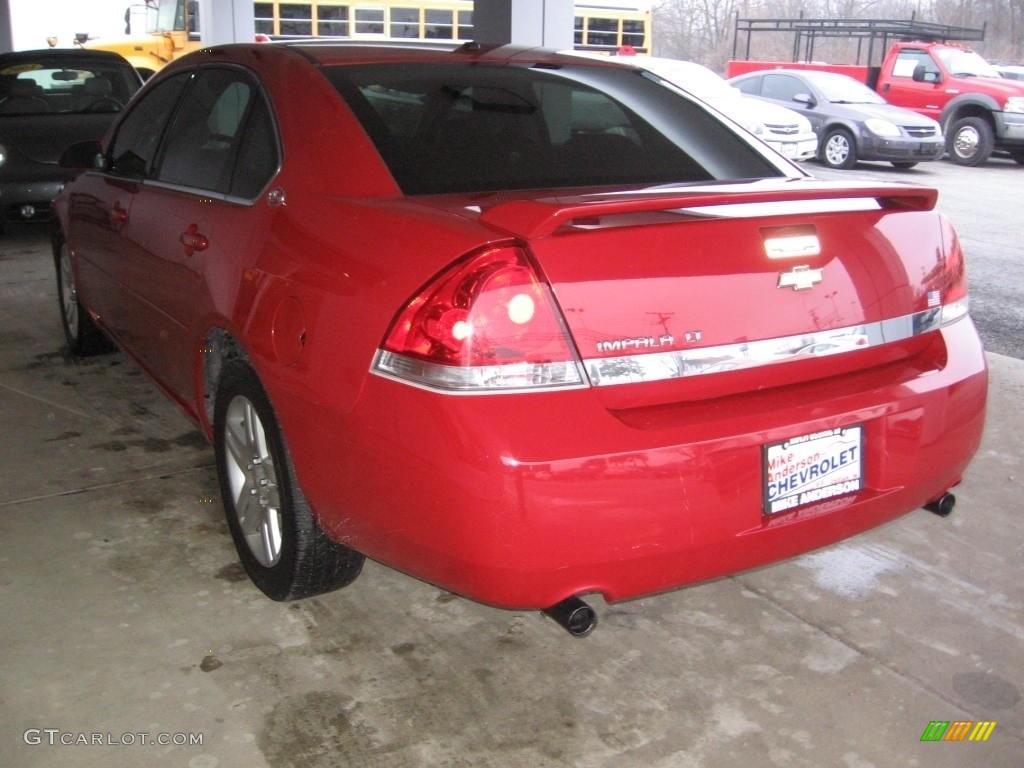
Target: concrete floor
127,619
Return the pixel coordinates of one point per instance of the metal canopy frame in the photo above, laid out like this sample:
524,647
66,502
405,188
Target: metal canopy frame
878,33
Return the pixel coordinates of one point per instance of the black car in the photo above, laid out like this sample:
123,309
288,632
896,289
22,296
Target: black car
852,121
49,100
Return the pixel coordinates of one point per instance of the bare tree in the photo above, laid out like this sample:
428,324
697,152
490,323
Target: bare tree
703,30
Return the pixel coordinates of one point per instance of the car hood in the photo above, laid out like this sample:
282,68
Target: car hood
773,114
43,138
889,112
996,86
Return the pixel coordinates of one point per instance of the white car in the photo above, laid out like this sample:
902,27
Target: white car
784,130
1011,71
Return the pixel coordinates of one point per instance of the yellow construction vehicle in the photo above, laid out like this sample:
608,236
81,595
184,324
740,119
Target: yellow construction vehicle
157,32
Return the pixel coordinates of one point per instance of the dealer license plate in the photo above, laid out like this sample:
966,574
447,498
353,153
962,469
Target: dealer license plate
811,468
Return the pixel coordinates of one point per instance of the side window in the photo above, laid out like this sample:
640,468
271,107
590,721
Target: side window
909,59
257,156
781,87
133,150
223,123
751,86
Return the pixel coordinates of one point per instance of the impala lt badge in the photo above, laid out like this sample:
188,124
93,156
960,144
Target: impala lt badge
637,343
800,278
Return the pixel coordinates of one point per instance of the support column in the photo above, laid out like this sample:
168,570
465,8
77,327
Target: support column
6,36
226,21
547,23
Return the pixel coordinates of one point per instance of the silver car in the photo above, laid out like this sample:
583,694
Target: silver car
852,121
784,130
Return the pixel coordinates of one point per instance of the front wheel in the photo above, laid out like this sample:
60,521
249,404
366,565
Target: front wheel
970,141
279,541
838,149
84,338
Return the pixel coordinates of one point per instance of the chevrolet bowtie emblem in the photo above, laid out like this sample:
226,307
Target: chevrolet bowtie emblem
800,278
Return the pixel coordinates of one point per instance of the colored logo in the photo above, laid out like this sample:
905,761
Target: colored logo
958,730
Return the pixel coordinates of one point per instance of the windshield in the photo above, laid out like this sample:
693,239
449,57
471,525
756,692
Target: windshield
171,16
467,127
845,90
959,63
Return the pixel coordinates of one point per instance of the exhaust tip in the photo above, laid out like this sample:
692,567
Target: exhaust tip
942,506
574,615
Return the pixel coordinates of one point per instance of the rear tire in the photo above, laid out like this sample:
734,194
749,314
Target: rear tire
838,149
83,337
279,541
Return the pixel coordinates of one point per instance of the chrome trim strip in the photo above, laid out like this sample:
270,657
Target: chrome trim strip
783,208
685,363
479,380
524,378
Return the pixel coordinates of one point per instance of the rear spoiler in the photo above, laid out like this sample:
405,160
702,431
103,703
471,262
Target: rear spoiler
544,216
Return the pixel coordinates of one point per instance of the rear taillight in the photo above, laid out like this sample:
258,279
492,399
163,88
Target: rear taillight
949,287
488,323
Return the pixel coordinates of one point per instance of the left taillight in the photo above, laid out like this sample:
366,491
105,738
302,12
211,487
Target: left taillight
486,324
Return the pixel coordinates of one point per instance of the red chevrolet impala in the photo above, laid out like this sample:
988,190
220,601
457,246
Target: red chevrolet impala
522,325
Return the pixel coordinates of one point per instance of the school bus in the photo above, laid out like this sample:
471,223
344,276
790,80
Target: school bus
159,31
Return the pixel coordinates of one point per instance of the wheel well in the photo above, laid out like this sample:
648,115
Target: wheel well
56,239
967,110
219,348
839,127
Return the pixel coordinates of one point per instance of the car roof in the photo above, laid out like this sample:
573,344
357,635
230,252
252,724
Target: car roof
333,52
60,55
812,75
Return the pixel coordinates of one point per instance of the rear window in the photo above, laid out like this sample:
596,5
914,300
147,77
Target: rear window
475,127
65,86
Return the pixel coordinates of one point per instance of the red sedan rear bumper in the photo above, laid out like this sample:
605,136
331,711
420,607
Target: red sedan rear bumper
522,501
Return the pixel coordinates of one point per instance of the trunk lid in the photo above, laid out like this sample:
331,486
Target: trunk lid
699,292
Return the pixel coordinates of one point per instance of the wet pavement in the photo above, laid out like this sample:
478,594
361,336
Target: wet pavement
131,635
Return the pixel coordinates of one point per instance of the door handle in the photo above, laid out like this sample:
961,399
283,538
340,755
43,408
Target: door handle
193,240
118,215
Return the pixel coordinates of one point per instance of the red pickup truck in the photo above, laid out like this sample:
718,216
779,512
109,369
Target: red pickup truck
979,111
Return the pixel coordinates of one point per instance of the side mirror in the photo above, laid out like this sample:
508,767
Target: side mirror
804,98
924,75
84,154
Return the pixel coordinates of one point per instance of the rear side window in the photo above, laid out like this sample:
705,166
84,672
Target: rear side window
472,127
781,87
749,85
221,139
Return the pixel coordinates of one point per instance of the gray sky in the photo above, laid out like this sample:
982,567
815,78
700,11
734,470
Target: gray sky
32,20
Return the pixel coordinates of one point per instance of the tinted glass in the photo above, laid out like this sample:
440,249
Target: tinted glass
749,85
782,87
462,127
222,118
258,155
133,150
52,85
